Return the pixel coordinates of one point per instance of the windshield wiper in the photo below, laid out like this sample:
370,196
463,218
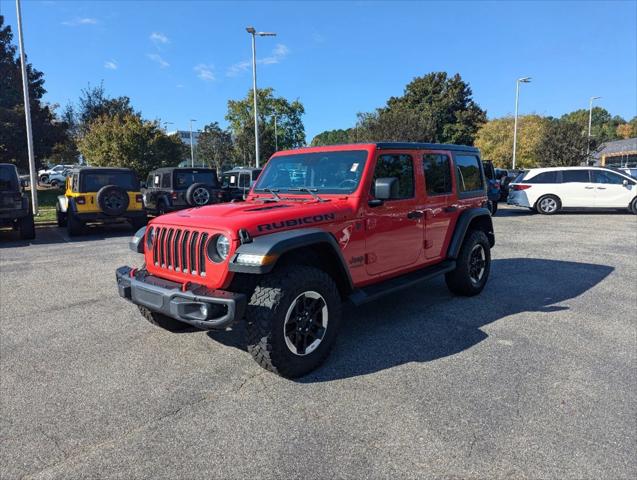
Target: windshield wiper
272,191
308,190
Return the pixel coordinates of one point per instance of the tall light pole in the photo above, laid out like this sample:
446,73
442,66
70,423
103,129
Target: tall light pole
192,148
590,121
254,33
515,122
276,136
27,114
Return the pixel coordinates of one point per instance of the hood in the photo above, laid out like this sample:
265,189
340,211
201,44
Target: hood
258,217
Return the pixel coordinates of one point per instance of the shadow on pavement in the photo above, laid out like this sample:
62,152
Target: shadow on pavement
402,328
53,234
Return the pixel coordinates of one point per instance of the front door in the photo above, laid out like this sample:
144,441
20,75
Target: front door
439,204
394,230
610,191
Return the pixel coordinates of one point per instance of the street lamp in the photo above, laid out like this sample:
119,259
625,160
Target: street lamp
590,120
192,149
254,33
515,122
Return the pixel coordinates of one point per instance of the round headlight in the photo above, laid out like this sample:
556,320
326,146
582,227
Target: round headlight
219,248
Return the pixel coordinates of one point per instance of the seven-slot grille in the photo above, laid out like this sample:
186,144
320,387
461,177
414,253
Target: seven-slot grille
180,250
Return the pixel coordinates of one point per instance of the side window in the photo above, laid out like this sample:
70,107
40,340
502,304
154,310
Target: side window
437,173
400,166
75,183
575,176
468,173
544,177
244,180
149,181
601,176
165,180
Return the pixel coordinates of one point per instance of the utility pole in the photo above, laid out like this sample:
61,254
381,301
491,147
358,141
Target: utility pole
590,121
27,114
515,122
254,33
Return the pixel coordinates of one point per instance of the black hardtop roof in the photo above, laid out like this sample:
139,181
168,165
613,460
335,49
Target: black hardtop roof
425,146
242,169
182,169
101,169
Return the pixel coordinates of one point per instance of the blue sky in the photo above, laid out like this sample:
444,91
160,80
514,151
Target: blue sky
180,59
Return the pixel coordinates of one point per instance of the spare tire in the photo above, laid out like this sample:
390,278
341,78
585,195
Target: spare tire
113,200
198,195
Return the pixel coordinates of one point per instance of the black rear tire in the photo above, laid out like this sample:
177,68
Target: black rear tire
74,225
275,314
26,226
160,320
60,216
464,279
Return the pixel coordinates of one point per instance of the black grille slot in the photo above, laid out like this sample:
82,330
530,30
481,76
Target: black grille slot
180,250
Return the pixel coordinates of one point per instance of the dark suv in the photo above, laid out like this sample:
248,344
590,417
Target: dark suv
15,208
170,189
236,183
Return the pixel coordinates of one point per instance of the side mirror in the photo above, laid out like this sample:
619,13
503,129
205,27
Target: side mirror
386,188
625,183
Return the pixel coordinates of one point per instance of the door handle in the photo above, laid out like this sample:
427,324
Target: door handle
589,188
601,188
415,214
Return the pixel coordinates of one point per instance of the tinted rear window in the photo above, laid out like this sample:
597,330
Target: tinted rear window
579,176
469,177
8,178
544,177
184,179
93,181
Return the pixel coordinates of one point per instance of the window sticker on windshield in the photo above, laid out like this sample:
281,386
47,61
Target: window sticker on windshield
354,167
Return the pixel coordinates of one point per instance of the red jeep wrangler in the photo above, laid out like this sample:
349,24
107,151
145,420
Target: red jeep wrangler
320,226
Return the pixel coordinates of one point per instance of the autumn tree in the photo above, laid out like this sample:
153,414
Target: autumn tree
214,146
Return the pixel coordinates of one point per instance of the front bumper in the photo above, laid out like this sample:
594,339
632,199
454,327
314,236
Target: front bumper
196,305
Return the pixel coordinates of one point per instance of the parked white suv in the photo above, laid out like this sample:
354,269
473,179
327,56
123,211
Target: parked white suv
548,190
45,175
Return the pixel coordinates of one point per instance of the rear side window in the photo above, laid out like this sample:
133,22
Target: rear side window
185,179
468,173
400,166
165,180
437,169
575,176
544,177
244,180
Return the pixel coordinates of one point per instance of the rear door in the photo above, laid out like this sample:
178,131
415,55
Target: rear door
576,189
610,191
395,229
440,201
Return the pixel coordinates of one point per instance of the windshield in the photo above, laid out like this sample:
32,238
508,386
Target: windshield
323,172
8,178
93,181
184,179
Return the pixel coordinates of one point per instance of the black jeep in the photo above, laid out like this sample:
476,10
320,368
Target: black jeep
236,183
170,189
15,208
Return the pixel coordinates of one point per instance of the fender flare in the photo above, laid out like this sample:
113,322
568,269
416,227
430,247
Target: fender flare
276,244
462,225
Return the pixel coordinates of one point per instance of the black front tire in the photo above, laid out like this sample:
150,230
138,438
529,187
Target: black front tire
162,321
26,226
74,225
272,302
462,280
633,206
60,216
493,207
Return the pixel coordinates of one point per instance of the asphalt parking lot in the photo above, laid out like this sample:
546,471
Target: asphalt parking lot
535,378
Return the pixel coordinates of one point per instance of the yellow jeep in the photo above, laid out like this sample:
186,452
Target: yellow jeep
100,194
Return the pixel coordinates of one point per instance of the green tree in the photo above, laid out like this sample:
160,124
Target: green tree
495,141
47,132
562,144
289,125
433,108
603,124
333,137
129,141
214,146
95,103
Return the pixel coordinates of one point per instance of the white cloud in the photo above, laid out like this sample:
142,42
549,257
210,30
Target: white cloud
110,65
205,72
80,21
158,38
279,53
155,57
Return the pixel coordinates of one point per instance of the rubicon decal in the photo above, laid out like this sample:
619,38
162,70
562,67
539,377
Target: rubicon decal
295,222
